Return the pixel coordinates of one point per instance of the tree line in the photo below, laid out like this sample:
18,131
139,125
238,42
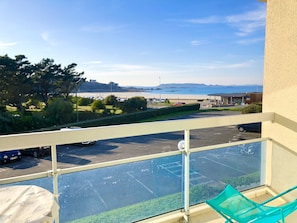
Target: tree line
47,87
21,81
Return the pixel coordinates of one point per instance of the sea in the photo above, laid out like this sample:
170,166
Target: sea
189,91
206,89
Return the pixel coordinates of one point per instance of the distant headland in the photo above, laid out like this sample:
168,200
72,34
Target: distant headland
172,88
93,86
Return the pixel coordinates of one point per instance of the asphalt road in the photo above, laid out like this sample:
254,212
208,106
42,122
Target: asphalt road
107,150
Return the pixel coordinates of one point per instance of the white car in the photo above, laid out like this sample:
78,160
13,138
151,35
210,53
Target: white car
86,143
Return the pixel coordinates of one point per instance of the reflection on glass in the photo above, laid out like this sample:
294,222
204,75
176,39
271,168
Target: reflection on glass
212,170
46,183
140,190
129,192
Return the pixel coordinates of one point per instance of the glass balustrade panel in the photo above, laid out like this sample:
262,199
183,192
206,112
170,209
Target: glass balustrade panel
241,166
125,193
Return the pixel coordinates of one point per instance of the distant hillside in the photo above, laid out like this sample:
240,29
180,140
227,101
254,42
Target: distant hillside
92,86
209,89
203,89
172,85
184,88
191,85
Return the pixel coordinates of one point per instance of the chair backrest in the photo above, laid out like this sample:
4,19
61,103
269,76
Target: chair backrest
233,205
230,201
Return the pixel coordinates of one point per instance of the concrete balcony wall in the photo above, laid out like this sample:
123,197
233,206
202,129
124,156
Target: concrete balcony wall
279,92
280,79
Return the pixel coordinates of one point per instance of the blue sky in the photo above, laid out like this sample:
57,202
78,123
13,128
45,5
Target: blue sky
141,42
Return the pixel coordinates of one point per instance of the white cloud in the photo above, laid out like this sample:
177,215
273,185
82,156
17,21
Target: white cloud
222,65
93,62
133,69
206,20
246,23
7,45
116,68
102,29
46,36
250,41
212,72
198,42
126,74
129,67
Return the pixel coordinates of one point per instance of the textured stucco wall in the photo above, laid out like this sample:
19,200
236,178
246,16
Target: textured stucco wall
280,87
280,66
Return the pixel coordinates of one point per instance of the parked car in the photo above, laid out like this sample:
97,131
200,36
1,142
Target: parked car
250,127
179,103
38,151
8,156
86,143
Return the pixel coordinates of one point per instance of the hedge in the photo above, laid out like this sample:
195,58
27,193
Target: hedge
153,207
137,116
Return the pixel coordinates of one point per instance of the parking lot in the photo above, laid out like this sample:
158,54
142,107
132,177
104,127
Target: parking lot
107,150
113,187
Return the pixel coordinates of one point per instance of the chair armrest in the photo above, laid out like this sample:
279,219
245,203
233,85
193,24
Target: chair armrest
279,195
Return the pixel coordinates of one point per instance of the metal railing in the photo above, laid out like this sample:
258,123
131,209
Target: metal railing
54,138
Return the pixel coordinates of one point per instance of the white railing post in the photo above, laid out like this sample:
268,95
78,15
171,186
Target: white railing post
266,163
186,158
55,175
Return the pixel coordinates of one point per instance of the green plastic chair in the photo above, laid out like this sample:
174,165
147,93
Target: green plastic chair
235,207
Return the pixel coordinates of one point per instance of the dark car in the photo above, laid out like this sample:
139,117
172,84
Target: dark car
12,155
37,152
250,127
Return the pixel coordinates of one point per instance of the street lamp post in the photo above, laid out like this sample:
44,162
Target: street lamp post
76,106
160,88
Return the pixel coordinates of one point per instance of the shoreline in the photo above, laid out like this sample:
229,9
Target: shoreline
126,95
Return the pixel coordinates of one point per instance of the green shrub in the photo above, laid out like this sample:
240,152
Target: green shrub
111,100
138,116
252,108
134,104
6,122
84,101
243,180
88,115
97,105
56,115
59,111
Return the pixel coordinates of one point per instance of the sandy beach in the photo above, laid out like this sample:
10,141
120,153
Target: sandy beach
187,98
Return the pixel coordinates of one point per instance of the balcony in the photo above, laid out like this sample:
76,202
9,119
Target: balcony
169,186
